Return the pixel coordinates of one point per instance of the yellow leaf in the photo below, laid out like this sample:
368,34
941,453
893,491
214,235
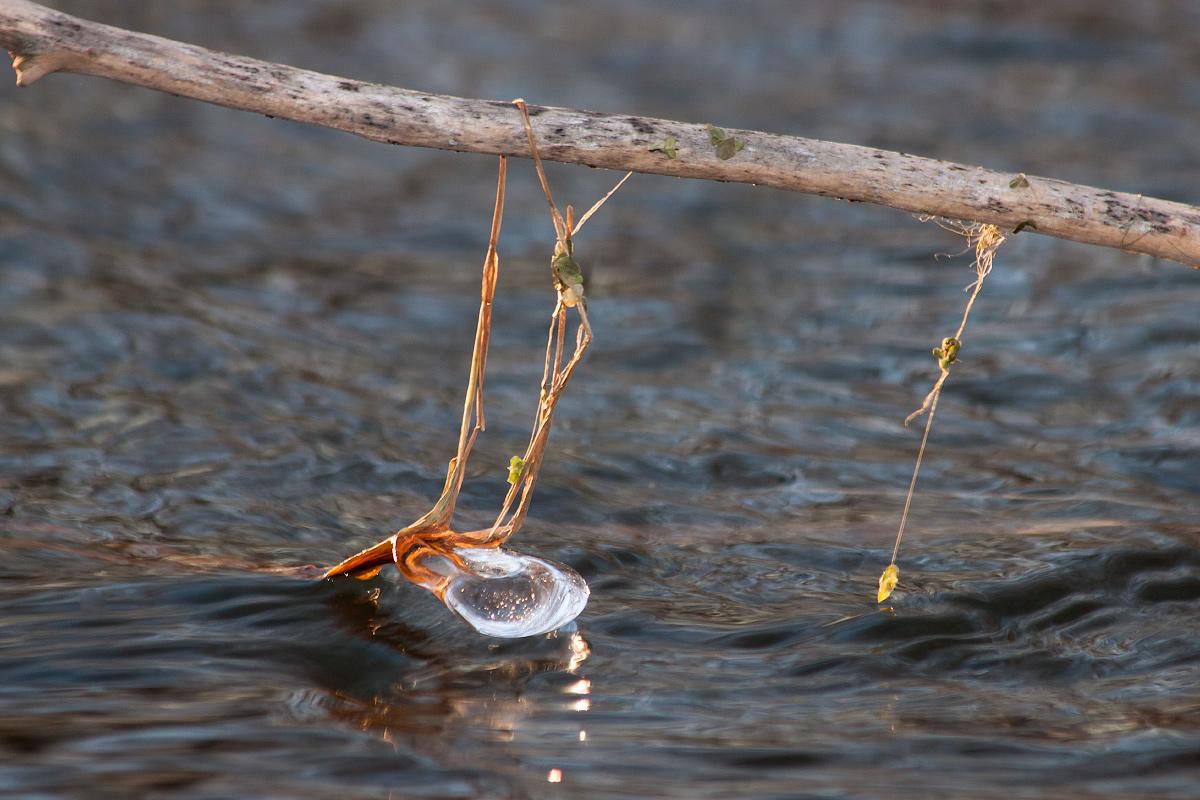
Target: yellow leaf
887,582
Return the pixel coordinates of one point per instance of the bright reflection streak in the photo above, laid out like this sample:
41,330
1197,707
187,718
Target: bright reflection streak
555,776
579,651
581,686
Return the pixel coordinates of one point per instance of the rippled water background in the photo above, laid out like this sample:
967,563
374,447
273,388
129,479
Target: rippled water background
230,344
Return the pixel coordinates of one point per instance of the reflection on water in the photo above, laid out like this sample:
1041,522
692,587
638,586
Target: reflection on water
231,345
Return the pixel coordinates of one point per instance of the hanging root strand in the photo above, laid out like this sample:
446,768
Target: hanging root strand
985,240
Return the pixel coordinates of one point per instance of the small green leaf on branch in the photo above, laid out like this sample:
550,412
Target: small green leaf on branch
666,147
727,146
1019,182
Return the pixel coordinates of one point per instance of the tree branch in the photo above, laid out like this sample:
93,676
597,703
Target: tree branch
43,41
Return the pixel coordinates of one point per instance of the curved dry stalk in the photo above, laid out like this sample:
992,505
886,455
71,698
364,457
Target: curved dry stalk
436,523
568,283
43,41
560,227
473,404
598,203
409,547
531,462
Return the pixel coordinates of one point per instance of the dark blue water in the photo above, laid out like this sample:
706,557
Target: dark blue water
230,346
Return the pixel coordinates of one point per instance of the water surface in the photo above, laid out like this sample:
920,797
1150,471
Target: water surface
231,345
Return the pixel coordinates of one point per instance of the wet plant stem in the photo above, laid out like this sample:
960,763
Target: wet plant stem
985,240
407,548
916,469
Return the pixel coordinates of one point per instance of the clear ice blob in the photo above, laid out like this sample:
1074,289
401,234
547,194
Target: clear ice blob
506,594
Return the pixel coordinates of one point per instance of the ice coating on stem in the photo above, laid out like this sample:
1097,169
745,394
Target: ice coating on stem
506,594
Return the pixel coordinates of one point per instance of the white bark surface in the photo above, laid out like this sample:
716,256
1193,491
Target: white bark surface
43,41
